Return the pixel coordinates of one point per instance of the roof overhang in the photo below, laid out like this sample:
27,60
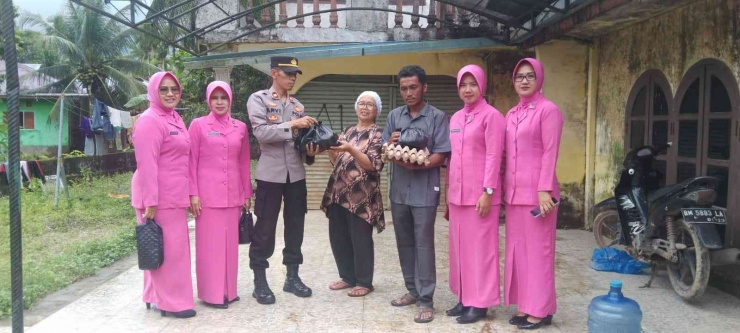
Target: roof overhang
260,60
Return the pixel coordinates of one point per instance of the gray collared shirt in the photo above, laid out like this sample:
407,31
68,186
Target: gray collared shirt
270,118
418,188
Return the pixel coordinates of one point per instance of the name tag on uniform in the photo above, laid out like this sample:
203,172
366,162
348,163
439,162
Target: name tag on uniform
214,133
454,130
174,132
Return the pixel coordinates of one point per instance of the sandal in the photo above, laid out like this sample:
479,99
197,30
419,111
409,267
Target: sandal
404,300
359,291
339,285
420,317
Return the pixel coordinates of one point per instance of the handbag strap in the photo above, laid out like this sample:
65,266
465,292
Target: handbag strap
323,108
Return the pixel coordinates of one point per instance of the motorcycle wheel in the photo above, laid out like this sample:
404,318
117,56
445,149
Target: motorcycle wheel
690,275
607,229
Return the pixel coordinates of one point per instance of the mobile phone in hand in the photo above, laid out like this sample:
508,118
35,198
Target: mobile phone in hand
536,212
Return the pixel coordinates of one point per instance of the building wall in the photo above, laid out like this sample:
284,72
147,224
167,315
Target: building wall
671,43
566,80
45,135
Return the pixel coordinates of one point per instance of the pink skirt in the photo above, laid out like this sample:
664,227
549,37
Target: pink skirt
474,260
530,261
217,253
170,286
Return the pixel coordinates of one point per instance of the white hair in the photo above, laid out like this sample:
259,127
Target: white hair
375,96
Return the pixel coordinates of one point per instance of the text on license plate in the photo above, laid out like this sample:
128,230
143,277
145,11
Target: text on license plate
704,215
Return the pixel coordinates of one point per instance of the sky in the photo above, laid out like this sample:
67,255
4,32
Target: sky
44,7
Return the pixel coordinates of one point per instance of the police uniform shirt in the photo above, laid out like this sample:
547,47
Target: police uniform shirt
270,118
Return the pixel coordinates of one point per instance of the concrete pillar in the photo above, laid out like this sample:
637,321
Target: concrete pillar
365,20
223,74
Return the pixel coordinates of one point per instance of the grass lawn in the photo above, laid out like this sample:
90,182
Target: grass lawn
92,229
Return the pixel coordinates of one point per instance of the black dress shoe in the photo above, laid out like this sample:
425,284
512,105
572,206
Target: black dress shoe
472,315
516,320
182,314
218,306
457,311
226,301
527,325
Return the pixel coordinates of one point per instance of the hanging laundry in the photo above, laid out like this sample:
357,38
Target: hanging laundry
115,118
97,119
24,171
126,119
86,127
101,120
99,143
90,146
4,170
37,171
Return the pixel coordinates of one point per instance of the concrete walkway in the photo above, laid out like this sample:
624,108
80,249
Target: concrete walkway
116,305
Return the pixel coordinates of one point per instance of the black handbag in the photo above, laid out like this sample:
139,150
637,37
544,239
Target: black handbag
318,134
413,138
246,225
149,245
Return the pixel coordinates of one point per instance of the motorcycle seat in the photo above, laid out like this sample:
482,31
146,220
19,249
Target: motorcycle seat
661,192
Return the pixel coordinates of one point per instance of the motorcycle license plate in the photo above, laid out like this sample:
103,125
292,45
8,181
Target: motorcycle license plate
704,215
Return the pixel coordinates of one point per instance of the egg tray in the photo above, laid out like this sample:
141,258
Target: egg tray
391,152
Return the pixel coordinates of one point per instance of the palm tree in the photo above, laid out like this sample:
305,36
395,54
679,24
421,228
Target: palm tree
93,53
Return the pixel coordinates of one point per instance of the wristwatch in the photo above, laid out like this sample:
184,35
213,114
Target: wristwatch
488,190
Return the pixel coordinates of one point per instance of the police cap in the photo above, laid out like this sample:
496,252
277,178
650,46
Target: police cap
287,64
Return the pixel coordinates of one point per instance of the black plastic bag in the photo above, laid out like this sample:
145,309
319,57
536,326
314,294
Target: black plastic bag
413,138
318,134
246,224
149,245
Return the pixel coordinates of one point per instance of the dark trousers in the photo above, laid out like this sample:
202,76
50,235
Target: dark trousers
351,241
269,196
414,228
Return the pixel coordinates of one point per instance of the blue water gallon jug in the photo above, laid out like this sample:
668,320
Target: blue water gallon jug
614,313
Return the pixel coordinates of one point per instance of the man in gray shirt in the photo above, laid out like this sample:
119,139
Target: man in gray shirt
415,191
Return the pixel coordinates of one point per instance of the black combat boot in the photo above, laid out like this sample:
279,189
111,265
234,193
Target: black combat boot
293,283
262,291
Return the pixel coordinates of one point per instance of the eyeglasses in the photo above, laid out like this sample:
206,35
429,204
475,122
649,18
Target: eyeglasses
530,77
165,90
365,105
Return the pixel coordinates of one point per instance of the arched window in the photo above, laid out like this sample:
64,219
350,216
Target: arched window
648,115
708,101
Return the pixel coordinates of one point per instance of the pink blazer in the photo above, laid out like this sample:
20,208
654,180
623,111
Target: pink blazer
476,157
219,163
162,147
532,145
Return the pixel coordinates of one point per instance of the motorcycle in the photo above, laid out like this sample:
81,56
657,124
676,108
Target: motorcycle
677,226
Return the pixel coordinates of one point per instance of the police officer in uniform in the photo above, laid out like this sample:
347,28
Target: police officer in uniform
276,118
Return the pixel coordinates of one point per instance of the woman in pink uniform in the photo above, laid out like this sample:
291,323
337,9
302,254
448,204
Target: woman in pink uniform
159,191
474,199
533,130
220,186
